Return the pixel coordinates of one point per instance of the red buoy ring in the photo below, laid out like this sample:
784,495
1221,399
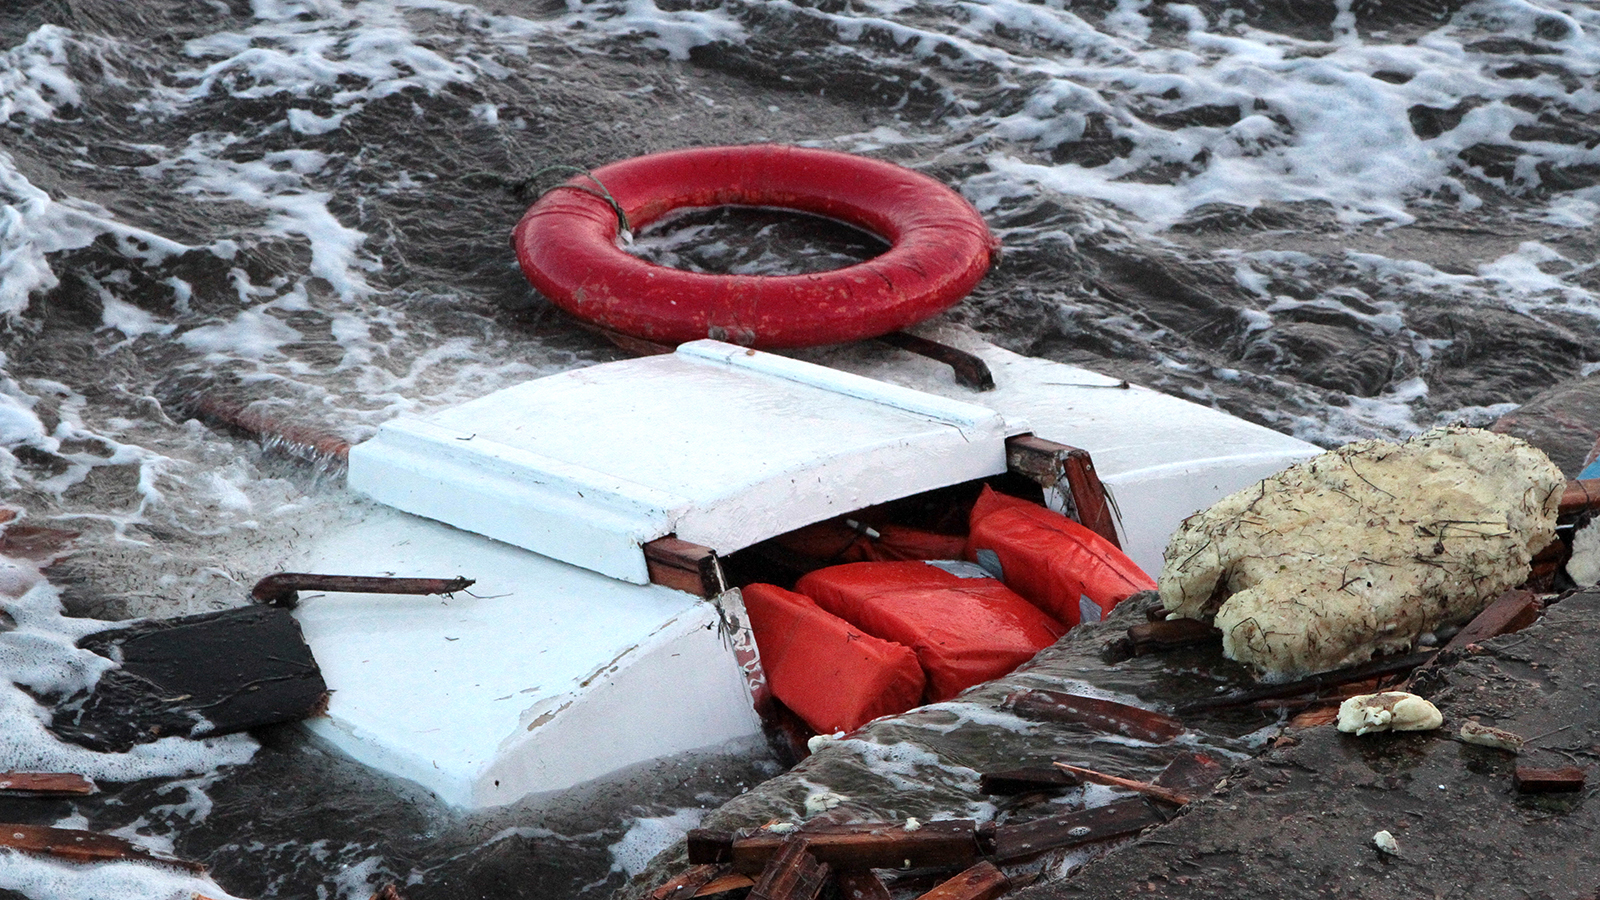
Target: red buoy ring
939,248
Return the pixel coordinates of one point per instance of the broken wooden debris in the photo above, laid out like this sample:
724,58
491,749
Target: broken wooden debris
283,589
1388,665
684,566
1531,780
861,884
1171,634
1026,780
1021,840
872,845
195,676
273,433
45,784
1580,497
981,882
1149,789
733,881
793,873
388,892
1102,715
1512,611
36,544
82,846
1191,773
688,884
1050,464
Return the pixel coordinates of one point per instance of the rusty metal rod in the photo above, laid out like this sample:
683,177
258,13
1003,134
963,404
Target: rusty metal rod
283,589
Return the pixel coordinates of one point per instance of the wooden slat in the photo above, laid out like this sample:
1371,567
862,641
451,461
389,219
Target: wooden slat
683,566
1086,826
733,881
981,882
1388,665
1511,611
687,884
1101,715
1580,496
81,846
1191,773
1168,795
45,784
1050,464
860,846
1171,634
1026,780
792,874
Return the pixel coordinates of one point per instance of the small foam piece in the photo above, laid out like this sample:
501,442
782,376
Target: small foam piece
1364,549
1388,711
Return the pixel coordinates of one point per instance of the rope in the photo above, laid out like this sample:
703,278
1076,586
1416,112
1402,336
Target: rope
602,193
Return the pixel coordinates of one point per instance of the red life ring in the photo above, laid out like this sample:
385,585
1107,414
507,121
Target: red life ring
939,248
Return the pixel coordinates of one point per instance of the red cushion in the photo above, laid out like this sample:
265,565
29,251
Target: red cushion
966,629
1057,564
828,672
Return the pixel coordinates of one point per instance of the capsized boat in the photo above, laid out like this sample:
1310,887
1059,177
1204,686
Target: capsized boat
602,510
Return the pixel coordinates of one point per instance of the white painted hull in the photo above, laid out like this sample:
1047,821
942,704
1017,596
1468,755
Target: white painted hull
550,673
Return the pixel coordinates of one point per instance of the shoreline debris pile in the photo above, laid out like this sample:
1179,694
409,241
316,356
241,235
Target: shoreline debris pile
1363,550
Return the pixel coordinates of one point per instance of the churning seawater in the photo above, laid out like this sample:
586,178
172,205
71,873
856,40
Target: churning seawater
1340,219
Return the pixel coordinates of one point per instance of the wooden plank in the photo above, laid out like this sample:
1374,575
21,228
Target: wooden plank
45,784
1171,634
1512,611
981,882
707,846
688,884
1580,496
1531,780
273,433
861,884
1026,780
1101,715
1388,665
1050,464
1085,826
874,845
792,874
81,846
684,566
1191,773
733,881
1168,795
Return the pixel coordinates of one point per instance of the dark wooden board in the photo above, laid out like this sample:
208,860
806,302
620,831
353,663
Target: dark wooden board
195,676
1019,841
879,845
1101,715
